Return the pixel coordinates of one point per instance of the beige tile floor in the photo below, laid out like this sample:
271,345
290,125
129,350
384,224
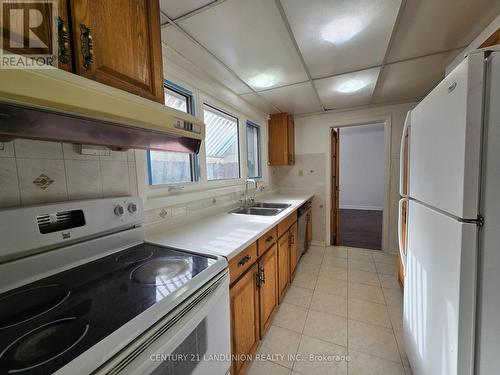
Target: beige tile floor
343,303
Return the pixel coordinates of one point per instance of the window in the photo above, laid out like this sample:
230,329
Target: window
174,167
221,144
253,150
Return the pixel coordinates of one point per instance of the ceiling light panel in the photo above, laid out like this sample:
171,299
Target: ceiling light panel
347,90
251,38
175,8
336,36
430,26
201,59
298,98
411,79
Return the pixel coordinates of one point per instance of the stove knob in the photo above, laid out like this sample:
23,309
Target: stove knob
132,208
119,210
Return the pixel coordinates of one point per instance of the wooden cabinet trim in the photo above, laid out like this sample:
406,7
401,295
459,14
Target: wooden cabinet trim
287,223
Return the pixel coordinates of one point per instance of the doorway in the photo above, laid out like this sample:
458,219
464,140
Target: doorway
358,185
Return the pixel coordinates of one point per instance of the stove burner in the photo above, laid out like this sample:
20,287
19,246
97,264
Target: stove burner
30,303
163,271
43,344
134,256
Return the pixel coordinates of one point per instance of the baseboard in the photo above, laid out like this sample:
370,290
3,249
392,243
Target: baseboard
367,208
318,243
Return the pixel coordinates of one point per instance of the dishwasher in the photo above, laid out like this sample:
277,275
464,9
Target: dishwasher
301,228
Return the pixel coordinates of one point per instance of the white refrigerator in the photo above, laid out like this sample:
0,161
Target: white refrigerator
450,244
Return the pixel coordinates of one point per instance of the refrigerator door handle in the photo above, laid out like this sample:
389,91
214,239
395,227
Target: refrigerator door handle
400,232
401,154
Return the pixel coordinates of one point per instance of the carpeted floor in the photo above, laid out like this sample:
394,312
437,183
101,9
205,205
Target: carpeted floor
360,228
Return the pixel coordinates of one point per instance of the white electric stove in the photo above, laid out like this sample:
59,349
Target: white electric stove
81,292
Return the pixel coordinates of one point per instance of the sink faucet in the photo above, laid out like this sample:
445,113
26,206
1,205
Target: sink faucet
247,201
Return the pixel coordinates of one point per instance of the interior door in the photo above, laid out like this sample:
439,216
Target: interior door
439,298
334,210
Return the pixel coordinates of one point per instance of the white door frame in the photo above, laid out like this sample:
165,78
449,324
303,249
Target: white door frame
383,119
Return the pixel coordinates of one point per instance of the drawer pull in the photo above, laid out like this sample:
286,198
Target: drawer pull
270,238
244,260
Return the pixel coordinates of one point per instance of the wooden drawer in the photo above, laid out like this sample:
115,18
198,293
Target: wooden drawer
287,223
267,240
241,262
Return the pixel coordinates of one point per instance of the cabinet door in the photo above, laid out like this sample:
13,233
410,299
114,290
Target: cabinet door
268,291
309,228
125,45
291,140
244,317
278,139
283,264
293,249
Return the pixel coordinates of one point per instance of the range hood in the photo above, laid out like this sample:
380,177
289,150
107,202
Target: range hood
55,105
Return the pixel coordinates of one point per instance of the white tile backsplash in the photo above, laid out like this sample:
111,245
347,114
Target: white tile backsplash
30,169
9,187
115,178
26,148
74,176
84,179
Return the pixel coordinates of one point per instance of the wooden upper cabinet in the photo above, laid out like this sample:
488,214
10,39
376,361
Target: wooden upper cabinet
281,139
268,291
118,43
244,318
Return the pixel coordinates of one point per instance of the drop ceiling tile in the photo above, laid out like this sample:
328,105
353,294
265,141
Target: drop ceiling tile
298,98
411,79
262,104
202,59
347,90
336,36
251,38
429,26
175,8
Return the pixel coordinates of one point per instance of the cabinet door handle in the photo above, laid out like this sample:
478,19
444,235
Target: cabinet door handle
292,239
244,260
62,41
258,278
270,238
87,47
262,276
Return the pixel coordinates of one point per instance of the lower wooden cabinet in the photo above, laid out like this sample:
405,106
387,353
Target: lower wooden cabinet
293,250
309,231
283,264
268,287
244,297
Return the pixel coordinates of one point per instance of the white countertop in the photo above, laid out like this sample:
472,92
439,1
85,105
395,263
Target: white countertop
227,234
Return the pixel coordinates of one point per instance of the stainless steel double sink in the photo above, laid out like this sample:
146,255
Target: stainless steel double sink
262,209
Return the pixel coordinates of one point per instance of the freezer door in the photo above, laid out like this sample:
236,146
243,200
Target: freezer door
439,295
445,142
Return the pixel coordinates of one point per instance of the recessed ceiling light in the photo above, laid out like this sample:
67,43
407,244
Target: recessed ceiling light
351,85
342,30
263,80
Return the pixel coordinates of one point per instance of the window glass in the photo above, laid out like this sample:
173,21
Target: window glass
173,167
253,150
221,145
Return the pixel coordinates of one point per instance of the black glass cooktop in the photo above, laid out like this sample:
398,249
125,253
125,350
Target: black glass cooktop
46,324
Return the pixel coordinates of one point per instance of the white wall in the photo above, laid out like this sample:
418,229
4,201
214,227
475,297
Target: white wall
362,167
312,144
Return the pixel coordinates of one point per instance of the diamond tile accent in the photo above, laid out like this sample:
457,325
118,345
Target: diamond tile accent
43,181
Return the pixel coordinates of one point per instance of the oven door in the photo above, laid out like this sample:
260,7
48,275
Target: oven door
192,339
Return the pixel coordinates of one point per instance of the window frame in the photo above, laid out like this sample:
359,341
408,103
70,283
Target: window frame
193,158
238,142
250,124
